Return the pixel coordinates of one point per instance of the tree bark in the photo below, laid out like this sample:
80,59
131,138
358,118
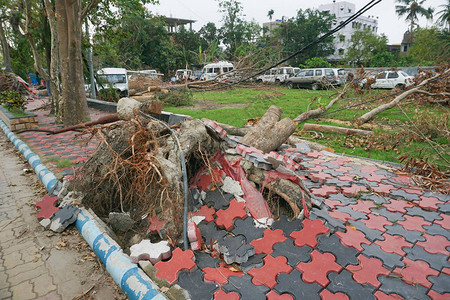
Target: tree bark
368,116
336,129
5,48
269,133
69,25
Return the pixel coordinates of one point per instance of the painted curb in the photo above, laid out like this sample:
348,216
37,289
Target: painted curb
132,280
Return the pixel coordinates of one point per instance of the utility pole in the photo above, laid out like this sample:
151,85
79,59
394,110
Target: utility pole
91,67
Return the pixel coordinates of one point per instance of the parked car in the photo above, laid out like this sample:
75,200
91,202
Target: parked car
340,76
268,76
210,71
283,74
392,79
313,78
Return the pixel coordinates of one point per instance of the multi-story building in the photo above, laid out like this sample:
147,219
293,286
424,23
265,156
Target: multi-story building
343,10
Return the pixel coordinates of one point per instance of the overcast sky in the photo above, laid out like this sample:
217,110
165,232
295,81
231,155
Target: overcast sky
204,11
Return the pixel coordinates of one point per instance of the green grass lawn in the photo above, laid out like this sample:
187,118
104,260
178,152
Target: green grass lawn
392,138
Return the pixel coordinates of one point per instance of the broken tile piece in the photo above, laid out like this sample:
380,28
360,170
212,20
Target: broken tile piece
194,236
368,270
267,274
235,249
270,237
320,266
246,228
309,233
47,207
225,217
156,225
206,212
63,218
146,250
180,260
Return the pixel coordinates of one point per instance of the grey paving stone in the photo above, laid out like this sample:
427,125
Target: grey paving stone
390,260
344,255
286,225
445,208
436,229
371,234
194,198
293,284
306,165
332,172
403,195
343,199
375,198
436,261
255,261
344,283
330,165
294,254
353,213
204,260
385,173
391,216
195,285
429,216
244,286
311,184
246,228
218,199
337,182
442,197
394,285
303,148
210,233
235,249
63,218
411,236
441,283
358,173
331,222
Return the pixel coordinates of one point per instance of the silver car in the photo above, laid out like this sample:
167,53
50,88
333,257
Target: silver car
313,78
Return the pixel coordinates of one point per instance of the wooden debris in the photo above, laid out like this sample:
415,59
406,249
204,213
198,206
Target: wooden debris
336,129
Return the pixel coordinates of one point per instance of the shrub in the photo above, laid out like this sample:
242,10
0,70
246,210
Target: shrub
176,97
12,100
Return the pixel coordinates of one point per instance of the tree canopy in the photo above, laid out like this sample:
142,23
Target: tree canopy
364,45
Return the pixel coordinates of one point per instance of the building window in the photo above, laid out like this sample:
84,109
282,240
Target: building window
405,48
341,51
349,10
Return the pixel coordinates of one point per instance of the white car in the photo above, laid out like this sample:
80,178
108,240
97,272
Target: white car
392,79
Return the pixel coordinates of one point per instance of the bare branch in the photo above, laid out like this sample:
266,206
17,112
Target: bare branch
90,6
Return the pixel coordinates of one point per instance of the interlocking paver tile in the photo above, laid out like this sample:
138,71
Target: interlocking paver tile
332,204
371,234
293,284
436,296
211,234
429,216
181,260
393,285
287,225
294,254
340,215
393,244
254,261
146,250
344,255
445,222
344,283
330,221
429,203
267,274
391,260
363,206
376,222
218,199
441,283
337,182
324,191
401,193
436,229
355,214
235,210
416,272
47,206
235,249
375,178
435,244
205,260
354,190
319,177
265,244
353,238
272,295
397,205
245,288
384,189
327,295
307,236
196,286
436,261
368,270
221,295
220,274
343,199
413,223
320,266
445,208
246,228
411,236
156,224
205,211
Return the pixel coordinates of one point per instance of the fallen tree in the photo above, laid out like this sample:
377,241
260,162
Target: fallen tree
336,129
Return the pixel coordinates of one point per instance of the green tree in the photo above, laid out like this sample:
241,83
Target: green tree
315,62
431,46
305,27
444,15
383,59
411,9
364,44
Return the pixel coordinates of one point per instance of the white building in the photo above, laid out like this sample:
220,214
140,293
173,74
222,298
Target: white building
343,10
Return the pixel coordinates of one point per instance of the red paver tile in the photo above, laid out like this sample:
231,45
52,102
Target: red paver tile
47,206
353,190
318,169
416,271
327,295
393,244
195,236
220,274
307,236
181,260
368,169
333,203
325,190
314,154
272,295
235,210
376,222
375,178
384,189
317,161
353,238
382,296
397,205
319,267
413,223
413,191
221,295
319,177
428,202
267,274
345,177
204,211
435,244
206,180
445,222
363,206
343,169
402,179
368,270
446,271
436,296
340,161
337,214
156,224
270,238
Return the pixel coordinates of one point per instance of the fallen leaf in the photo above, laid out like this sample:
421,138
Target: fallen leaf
35,259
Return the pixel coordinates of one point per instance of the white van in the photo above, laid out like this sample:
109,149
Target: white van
184,74
268,76
115,78
284,73
210,71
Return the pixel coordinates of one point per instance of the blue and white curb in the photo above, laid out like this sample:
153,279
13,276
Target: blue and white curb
132,280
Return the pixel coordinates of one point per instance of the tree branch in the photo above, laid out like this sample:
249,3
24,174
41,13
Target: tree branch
90,6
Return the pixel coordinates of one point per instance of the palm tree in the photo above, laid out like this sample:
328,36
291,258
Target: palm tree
444,14
412,9
270,15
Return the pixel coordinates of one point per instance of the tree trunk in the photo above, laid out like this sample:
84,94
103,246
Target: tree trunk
5,47
269,133
336,129
69,24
